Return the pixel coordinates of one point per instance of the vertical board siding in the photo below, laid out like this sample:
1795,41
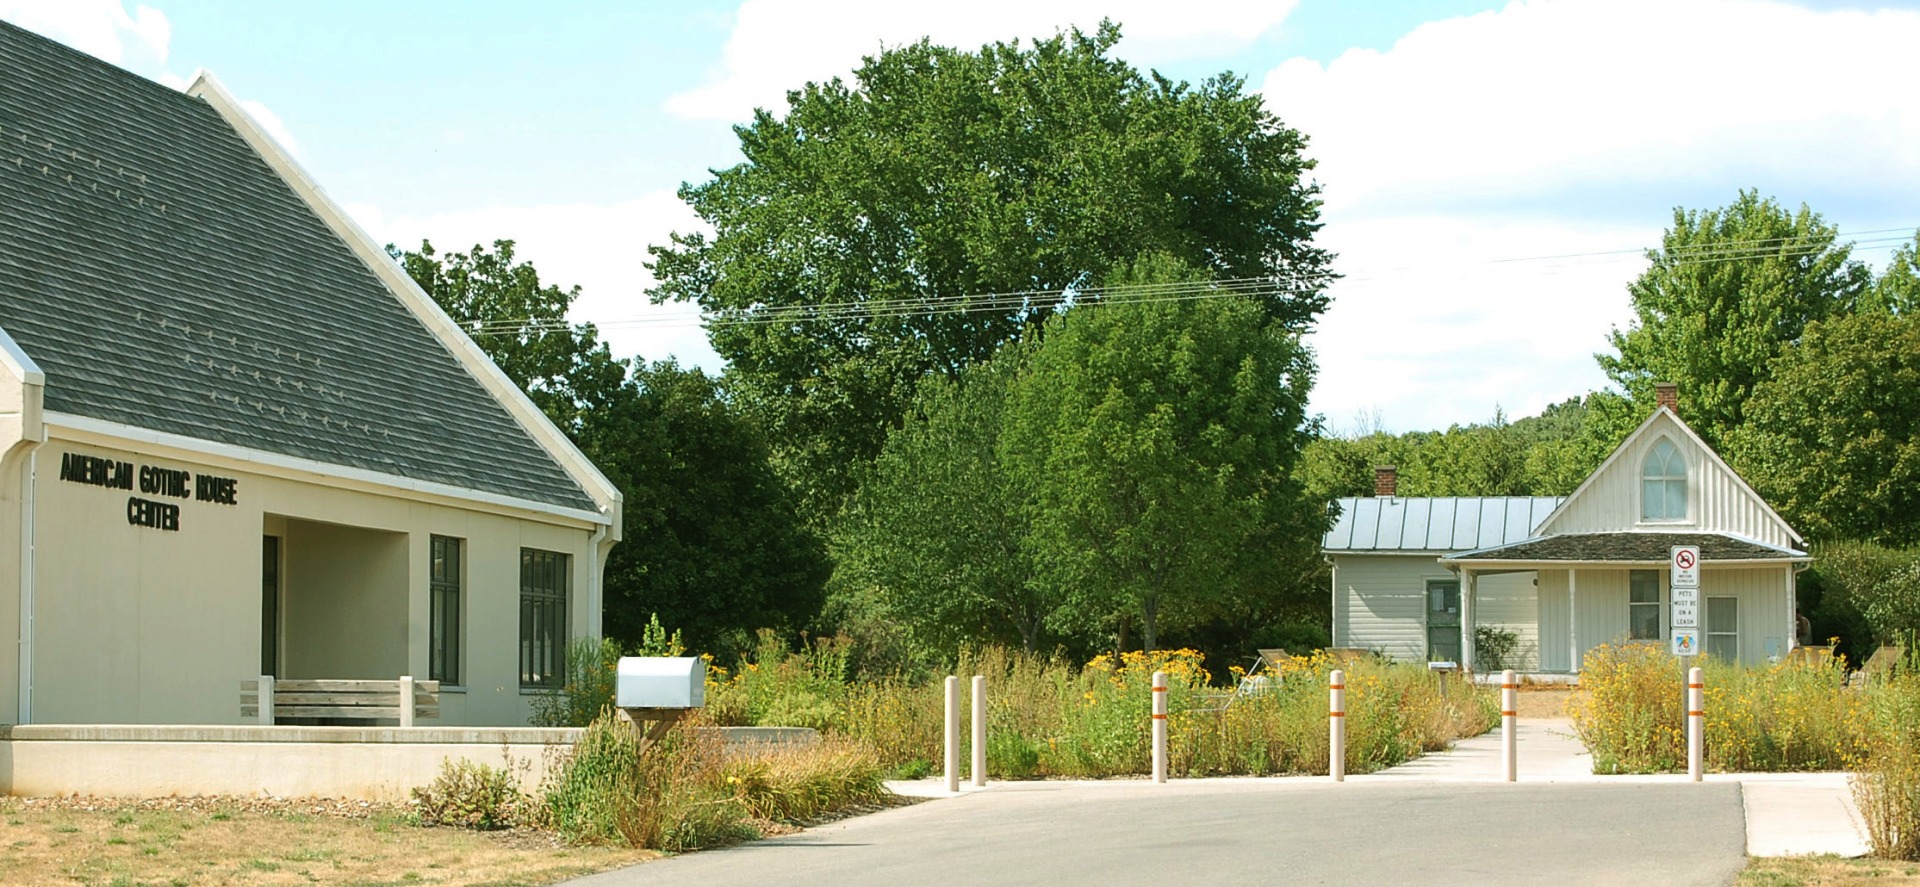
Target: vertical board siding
1764,613
1380,603
1600,606
1508,602
1717,501
1552,634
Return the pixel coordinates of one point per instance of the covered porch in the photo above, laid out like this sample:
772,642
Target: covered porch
1588,589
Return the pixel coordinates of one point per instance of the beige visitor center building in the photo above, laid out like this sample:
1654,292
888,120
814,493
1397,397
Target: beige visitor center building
236,439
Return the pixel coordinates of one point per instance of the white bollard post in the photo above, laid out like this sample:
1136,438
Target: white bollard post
953,734
979,731
1159,726
1509,718
1337,726
406,700
1696,723
266,700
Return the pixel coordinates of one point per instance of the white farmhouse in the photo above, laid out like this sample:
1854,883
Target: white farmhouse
1414,578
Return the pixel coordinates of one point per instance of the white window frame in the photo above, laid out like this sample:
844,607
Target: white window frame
1666,482
1708,634
1633,605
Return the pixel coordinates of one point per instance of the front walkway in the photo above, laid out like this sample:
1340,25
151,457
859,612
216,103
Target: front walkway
1788,814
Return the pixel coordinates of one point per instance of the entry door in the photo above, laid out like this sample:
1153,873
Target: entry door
1443,620
270,606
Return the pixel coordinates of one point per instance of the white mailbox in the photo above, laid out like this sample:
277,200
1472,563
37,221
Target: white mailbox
660,682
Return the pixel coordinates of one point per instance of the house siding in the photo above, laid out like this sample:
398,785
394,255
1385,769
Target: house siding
1508,602
1717,500
1552,635
1380,603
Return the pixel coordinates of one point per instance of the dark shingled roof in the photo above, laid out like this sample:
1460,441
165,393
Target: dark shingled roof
1628,547
164,277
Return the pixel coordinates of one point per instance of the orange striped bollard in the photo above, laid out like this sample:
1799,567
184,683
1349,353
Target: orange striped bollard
1337,726
1159,726
1509,717
1696,723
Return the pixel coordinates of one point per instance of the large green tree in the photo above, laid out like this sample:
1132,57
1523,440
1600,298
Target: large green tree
714,544
911,222
1155,442
1832,437
1728,290
937,531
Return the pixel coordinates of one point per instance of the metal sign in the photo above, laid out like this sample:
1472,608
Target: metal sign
1686,566
1686,642
1685,615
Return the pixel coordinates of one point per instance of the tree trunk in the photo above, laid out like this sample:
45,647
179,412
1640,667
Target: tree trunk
1149,622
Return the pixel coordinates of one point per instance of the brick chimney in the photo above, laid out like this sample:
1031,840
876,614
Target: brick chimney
1386,480
1667,394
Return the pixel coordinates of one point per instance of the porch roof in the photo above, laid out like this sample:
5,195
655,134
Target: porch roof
1631,547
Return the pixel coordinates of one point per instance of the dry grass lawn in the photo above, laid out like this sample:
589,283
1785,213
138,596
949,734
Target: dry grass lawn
237,843
1828,871
1543,702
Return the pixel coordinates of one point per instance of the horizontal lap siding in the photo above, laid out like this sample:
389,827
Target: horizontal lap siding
1380,603
1508,602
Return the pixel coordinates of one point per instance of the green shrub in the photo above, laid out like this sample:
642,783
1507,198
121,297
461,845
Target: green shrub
470,795
1492,648
1886,781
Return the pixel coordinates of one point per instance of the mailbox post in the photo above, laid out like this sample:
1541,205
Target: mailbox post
656,691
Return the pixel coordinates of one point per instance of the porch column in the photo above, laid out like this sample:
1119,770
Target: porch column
1467,618
1573,621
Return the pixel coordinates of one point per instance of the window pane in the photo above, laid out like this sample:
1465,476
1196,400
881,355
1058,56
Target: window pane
1723,615
1645,621
543,609
1724,647
1644,586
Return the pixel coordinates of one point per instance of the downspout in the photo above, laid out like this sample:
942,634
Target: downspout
1333,600
597,578
28,479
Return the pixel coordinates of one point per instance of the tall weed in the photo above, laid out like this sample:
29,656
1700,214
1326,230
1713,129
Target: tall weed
1886,782
1793,715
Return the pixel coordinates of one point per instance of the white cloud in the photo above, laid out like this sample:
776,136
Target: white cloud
1544,98
101,28
601,249
1535,130
777,45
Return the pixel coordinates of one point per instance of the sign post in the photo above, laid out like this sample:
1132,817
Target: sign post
1685,623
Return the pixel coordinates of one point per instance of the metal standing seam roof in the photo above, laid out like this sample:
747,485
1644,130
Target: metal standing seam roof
1449,523
164,277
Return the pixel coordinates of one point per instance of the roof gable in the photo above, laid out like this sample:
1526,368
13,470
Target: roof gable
1403,524
1718,500
165,276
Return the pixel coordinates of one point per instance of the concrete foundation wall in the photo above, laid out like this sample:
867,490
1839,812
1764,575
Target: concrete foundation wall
373,764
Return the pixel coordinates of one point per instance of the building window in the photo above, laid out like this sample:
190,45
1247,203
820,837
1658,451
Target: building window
1723,628
1663,484
543,619
1643,605
443,652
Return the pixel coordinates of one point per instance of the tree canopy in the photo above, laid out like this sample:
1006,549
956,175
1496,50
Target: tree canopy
713,544
1830,437
1155,442
911,222
1728,290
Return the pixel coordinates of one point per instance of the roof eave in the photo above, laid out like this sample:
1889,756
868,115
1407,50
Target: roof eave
591,480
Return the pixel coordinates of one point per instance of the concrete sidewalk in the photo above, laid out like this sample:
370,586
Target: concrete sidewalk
1788,814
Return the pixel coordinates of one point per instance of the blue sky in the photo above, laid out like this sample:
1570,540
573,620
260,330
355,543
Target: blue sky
1453,137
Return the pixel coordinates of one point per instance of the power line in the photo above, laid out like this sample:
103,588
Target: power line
1036,300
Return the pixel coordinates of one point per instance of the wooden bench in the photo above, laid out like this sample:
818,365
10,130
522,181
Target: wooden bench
266,699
